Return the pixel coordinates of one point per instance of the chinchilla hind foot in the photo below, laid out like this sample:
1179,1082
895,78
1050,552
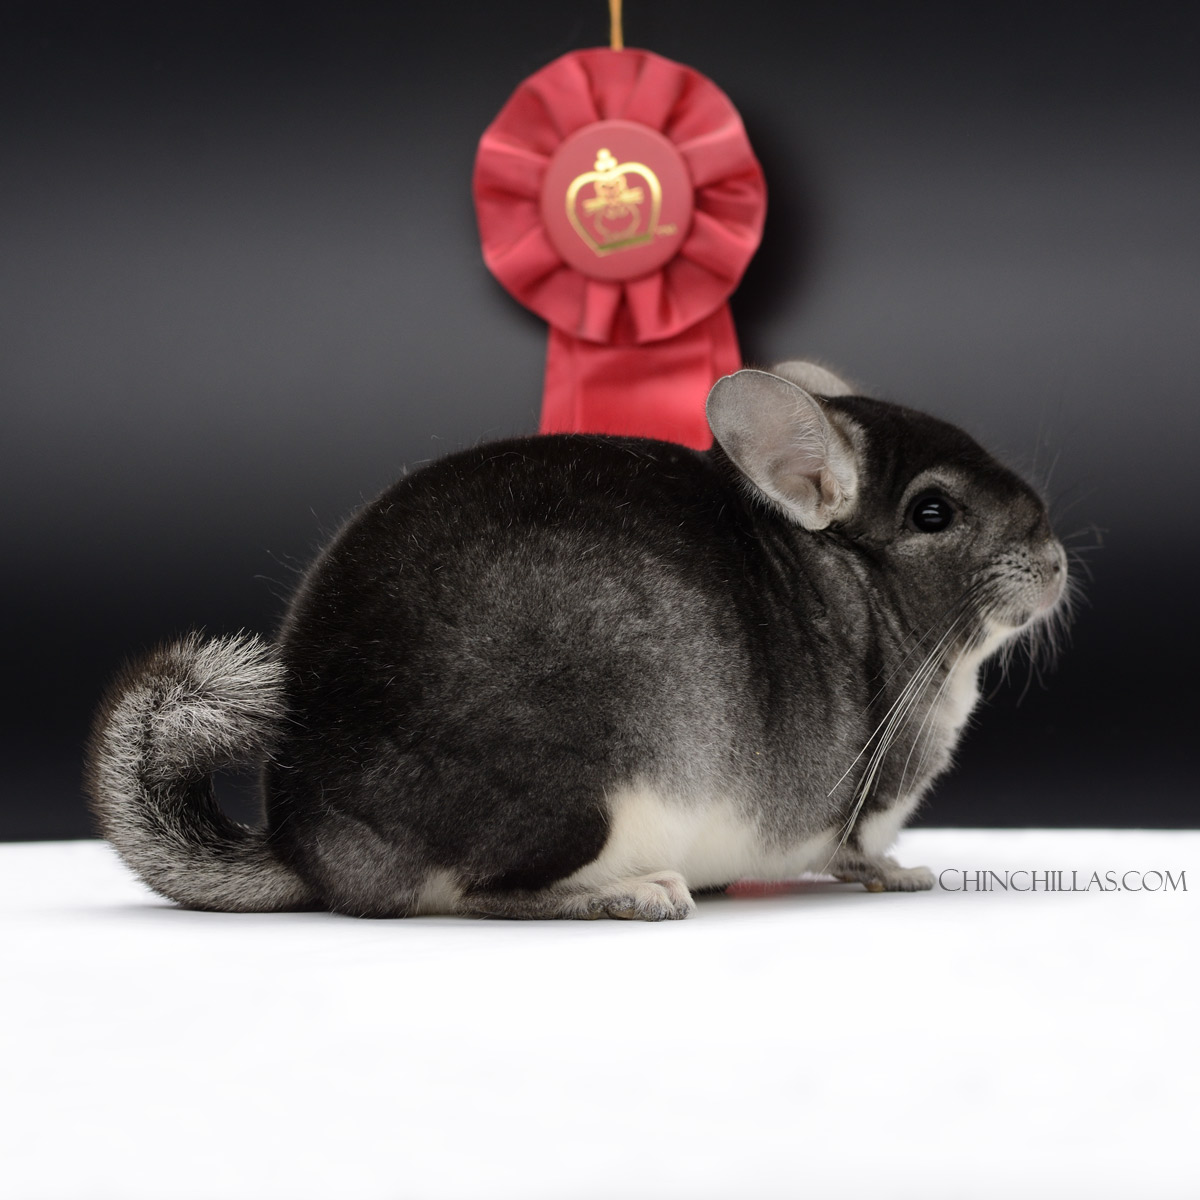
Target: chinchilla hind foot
658,896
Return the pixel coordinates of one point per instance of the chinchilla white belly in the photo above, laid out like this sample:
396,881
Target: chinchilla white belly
710,842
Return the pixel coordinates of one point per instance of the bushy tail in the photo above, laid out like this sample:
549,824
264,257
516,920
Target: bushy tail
165,725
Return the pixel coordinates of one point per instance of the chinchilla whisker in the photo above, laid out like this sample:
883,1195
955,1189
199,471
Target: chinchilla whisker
1077,558
929,741
1031,651
888,729
925,742
931,708
1050,470
1060,509
1041,642
909,685
951,614
965,614
1095,532
1055,629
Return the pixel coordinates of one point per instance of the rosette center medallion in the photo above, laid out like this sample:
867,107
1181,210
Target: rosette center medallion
617,200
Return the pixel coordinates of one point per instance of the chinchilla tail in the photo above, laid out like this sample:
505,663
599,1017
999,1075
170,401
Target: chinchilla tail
165,725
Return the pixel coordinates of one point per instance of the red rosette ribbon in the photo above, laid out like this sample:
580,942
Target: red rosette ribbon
618,198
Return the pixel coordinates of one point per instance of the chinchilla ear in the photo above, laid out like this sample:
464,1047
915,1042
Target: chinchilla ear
815,379
786,445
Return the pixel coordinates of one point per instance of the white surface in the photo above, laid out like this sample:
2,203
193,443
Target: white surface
823,1042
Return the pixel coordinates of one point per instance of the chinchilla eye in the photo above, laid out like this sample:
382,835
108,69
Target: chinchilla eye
931,512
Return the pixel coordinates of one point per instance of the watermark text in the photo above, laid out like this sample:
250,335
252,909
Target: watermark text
955,879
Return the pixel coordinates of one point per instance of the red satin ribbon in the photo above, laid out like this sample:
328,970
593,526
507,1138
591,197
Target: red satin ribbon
635,355
655,390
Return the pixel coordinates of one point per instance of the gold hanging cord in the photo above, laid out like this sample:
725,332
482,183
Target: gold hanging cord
616,36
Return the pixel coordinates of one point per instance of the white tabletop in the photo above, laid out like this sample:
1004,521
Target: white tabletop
820,1042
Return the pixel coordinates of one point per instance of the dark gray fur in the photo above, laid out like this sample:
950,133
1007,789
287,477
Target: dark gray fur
506,642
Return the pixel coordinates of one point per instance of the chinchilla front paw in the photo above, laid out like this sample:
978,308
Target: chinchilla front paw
884,875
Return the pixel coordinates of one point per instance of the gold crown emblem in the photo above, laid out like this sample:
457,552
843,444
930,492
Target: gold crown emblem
612,218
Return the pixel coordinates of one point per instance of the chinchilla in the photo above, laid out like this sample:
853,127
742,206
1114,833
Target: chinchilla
585,676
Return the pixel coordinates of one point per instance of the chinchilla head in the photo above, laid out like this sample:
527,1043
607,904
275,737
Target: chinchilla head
964,544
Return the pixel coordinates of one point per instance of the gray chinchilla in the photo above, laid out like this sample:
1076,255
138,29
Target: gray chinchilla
584,676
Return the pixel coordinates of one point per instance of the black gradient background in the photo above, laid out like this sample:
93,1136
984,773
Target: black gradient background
240,289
